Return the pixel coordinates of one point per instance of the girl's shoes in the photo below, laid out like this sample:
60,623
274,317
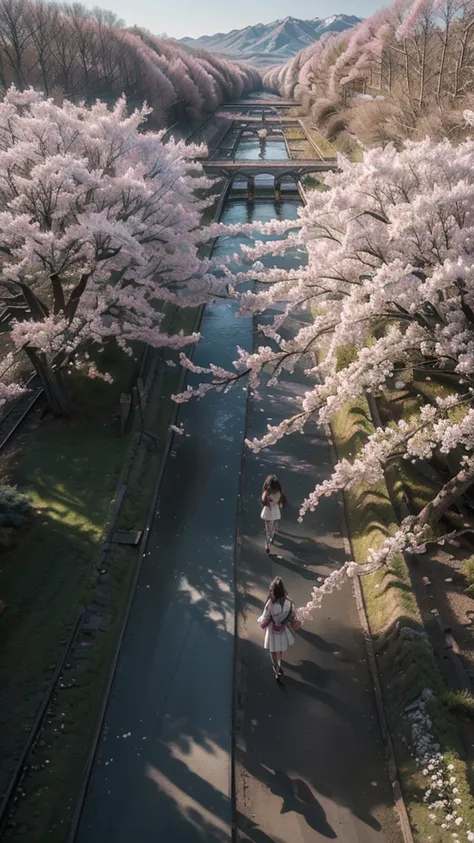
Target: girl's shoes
278,673
267,547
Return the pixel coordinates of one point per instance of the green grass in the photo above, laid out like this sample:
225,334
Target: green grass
299,144
312,183
327,149
349,147
371,519
468,571
71,472
415,484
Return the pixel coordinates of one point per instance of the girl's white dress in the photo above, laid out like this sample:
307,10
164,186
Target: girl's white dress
276,642
272,512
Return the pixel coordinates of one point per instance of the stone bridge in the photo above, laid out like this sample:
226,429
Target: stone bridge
279,170
269,105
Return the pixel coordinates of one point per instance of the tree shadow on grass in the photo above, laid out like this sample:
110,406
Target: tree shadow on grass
370,494
396,584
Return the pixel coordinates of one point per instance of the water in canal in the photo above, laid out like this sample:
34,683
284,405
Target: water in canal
251,150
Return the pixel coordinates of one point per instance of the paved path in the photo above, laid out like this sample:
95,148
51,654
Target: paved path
310,758
310,763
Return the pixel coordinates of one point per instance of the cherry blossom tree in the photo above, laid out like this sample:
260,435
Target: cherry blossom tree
69,50
99,226
390,273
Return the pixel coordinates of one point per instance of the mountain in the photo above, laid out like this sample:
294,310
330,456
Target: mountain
271,43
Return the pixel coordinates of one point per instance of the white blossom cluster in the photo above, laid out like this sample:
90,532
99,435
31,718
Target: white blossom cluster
390,275
99,222
333,582
442,794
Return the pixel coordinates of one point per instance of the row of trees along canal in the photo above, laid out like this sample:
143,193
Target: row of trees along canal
105,218
100,231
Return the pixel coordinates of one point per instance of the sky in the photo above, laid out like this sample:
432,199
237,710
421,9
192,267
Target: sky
181,18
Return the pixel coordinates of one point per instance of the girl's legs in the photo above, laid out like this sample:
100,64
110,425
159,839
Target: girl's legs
274,525
269,531
276,662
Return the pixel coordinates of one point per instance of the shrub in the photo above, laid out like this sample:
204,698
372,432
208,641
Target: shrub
468,570
323,110
335,125
310,181
461,702
14,506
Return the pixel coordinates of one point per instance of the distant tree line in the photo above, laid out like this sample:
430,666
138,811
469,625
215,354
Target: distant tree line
70,52
405,72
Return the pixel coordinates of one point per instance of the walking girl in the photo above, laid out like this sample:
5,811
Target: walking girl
273,499
277,619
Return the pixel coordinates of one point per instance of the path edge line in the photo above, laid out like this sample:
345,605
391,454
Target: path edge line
237,713
391,763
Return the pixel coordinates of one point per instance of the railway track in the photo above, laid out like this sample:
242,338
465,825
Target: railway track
14,786
17,410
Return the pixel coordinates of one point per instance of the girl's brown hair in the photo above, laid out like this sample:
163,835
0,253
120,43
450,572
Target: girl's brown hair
271,485
277,591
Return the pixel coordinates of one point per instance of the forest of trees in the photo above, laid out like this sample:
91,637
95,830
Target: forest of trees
405,72
70,52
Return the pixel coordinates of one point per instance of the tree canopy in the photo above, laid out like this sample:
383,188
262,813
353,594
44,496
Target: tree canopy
389,281
99,226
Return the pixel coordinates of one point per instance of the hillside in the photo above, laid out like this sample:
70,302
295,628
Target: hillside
271,43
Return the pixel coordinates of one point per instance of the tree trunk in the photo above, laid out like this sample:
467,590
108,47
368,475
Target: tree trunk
407,72
421,95
443,62
461,57
52,383
434,511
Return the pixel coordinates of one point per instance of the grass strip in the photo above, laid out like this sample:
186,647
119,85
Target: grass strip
327,150
405,658
299,145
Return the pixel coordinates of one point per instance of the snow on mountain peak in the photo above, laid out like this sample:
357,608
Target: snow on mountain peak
275,42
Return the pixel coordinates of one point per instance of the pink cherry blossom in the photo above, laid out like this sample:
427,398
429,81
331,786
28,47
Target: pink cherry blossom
390,274
100,227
